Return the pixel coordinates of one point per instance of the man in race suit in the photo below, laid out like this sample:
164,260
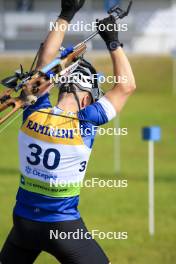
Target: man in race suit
55,144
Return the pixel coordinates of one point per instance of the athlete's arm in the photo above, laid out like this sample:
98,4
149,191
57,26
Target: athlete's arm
55,38
51,46
119,94
52,43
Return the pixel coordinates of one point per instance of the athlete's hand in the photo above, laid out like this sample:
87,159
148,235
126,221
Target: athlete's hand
69,8
108,30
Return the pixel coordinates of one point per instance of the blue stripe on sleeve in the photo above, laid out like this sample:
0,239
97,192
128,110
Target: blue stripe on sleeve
94,113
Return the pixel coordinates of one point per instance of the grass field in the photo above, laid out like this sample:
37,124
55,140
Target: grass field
118,209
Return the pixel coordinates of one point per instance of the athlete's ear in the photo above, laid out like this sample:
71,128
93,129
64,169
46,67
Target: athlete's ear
86,100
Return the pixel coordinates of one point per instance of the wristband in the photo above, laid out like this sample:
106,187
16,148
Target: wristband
114,45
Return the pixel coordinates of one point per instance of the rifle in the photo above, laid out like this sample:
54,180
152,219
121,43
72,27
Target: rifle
34,84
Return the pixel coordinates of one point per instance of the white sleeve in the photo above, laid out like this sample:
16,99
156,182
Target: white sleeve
108,107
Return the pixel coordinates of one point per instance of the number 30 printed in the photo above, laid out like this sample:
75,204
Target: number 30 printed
35,159
35,154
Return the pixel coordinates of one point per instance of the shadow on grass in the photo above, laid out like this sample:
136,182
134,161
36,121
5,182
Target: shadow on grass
7,171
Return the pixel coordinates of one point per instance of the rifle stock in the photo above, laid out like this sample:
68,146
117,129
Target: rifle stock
37,85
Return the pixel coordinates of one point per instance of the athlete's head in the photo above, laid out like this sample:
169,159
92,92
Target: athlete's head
81,86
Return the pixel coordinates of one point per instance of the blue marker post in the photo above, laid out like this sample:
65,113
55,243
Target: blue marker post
151,134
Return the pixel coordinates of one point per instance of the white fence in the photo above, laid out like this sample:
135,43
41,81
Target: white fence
151,27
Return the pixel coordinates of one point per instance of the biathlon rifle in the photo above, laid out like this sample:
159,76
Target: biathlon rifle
33,84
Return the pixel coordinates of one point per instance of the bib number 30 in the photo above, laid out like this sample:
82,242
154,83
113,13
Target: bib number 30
35,159
51,158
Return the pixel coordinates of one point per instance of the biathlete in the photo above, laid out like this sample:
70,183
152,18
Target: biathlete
49,150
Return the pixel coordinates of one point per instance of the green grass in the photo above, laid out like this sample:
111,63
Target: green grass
119,209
